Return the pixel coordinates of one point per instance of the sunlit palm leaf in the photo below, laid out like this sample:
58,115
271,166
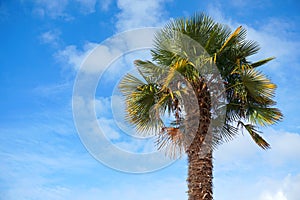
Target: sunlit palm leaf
257,84
264,115
231,39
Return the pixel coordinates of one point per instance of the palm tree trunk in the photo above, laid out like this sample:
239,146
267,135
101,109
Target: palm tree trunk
200,170
200,174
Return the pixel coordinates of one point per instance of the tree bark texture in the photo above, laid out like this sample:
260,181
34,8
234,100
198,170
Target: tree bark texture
200,170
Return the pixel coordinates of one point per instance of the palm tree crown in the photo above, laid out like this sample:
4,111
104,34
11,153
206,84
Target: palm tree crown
178,68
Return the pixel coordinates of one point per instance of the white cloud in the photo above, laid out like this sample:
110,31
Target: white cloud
257,186
256,174
95,58
60,8
74,57
100,58
277,196
285,148
51,37
275,189
136,14
286,188
51,8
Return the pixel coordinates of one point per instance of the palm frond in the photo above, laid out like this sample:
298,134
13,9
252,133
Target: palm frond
263,115
257,84
129,84
140,108
248,48
231,39
261,62
150,71
140,99
227,132
255,136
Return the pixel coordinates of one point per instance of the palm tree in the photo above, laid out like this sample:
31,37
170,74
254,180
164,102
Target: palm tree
180,83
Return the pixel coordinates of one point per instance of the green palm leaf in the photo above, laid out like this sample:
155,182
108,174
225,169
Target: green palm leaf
261,62
255,136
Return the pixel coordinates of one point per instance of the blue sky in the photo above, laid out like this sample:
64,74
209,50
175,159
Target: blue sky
44,43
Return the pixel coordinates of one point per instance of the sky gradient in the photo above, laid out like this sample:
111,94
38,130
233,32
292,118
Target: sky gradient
45,42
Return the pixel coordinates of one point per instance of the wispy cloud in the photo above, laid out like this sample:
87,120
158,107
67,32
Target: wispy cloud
32,164
74,57
137,14
51,38
59,9
52,90
95,58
